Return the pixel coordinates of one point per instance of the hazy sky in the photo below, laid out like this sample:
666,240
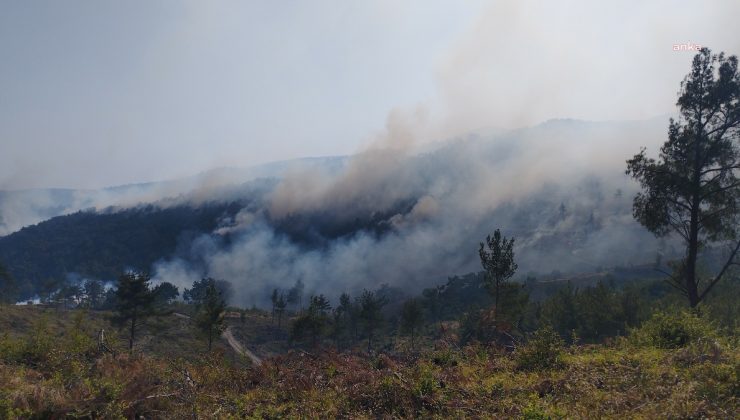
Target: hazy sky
97,93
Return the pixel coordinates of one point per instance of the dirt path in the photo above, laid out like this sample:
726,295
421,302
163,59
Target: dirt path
233,342
237,346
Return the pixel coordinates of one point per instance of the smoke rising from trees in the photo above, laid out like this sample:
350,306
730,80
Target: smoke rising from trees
411,219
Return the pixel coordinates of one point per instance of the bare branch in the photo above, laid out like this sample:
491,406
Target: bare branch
677,286
719,190
724,168
730,261
673,281
713,214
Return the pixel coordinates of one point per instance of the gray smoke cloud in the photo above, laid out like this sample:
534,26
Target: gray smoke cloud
433,208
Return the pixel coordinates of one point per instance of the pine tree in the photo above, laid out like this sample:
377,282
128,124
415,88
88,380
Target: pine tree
8,287
211,311
134,302
295,295
94,293
274,300
314,321
165,293
412,318
343,315
371,305
280,305
498,263
693,188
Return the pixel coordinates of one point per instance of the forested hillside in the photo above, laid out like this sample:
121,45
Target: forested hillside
384,210
103,244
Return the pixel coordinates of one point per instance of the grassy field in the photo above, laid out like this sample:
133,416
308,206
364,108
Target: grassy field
50,366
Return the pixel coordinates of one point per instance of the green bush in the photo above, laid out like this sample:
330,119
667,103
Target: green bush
673,330
425,384
444,358
543,351
533,412
8,411
11,349
38,345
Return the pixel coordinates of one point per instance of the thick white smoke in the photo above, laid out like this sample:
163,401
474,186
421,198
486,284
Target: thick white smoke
450,199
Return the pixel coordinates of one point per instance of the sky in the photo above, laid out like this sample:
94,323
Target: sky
94,94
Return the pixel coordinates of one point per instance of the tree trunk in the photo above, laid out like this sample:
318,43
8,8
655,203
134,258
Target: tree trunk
495,307
693,245
210,338
693,249
131,336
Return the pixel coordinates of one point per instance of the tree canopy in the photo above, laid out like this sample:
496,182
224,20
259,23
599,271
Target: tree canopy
371,305
165,292
7,286
211,307
412,318
198,292
693,189
134,301
498,263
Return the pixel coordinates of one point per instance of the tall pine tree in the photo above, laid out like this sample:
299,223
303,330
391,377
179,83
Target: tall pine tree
693,188
211,311
134,302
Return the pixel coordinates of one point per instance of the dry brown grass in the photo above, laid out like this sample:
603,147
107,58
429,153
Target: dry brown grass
623,380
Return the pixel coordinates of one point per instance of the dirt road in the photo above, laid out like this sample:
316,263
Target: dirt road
233,342
237,346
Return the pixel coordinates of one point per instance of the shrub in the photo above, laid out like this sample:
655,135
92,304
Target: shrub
478,325
390,397
700,351
8,411
533,412
672,330
543,351
11,349
38,346
425,384
444,358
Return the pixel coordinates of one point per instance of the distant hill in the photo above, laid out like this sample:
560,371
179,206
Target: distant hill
410,219
102,245
20,208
